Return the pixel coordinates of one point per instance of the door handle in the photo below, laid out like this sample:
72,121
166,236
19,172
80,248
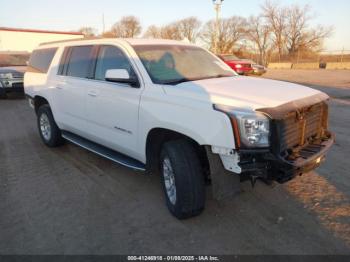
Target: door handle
92,93
59,87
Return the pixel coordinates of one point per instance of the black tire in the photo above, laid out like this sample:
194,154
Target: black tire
55,138
188,176
3,96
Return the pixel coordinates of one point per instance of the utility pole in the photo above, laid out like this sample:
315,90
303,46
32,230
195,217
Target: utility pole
217,6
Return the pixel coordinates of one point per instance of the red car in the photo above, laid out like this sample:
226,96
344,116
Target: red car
241,66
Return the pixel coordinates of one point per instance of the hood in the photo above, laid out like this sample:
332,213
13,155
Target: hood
248,61
238,62
243,92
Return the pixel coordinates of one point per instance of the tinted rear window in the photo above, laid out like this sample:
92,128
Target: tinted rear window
41,59
79,61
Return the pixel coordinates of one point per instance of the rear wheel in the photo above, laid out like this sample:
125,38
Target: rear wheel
183,179
48,129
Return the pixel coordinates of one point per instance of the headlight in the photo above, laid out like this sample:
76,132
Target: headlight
6,75
253,128
238,66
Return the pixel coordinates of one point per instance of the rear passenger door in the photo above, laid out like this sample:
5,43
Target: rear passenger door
74,72
112,108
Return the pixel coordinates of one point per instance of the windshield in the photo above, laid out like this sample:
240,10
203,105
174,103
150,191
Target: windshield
230,57
169,64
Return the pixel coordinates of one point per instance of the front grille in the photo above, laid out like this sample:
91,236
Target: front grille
17,85
299,127
17,76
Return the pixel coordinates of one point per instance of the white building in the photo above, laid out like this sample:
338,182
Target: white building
25,40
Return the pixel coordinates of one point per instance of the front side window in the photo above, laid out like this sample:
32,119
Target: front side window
111,57
41,59
80,61
173,64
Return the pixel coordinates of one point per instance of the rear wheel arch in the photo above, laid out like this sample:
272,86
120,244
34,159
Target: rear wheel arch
48,129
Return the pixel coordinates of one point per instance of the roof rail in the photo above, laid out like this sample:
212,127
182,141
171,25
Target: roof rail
38,31
72,40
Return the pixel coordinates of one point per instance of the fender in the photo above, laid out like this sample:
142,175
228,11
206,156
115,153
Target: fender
196,120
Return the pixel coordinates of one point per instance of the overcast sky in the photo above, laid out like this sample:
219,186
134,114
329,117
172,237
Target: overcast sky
70,15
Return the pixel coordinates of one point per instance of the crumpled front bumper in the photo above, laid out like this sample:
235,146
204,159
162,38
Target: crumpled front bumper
282,169
310,158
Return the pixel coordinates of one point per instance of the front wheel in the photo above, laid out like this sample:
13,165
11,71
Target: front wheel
183,179
48,129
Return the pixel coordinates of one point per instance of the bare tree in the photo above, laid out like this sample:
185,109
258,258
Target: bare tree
153,32
259,33
88,31
291,30
299,35
276,18
127,27
170,31
231,32
315,37
189,28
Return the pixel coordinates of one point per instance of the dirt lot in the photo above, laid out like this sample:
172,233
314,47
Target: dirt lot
70,201
334,78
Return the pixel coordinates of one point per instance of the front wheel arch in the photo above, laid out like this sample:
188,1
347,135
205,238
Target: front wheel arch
157,137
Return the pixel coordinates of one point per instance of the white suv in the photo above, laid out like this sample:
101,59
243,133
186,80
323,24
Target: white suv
176,109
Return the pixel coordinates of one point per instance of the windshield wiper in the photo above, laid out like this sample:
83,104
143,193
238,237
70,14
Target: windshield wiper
183,80
176,81
219,76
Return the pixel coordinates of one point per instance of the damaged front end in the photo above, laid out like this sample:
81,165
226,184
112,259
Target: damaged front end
298,142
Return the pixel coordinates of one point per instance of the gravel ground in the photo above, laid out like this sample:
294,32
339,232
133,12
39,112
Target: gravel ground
70,201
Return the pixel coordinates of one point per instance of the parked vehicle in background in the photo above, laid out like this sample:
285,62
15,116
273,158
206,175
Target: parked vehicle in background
175,109
12,68
258,69
11,80
241,66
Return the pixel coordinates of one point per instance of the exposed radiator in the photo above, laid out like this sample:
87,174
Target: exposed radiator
298,127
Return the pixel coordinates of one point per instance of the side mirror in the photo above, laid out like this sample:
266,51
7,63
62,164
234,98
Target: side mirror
121,76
